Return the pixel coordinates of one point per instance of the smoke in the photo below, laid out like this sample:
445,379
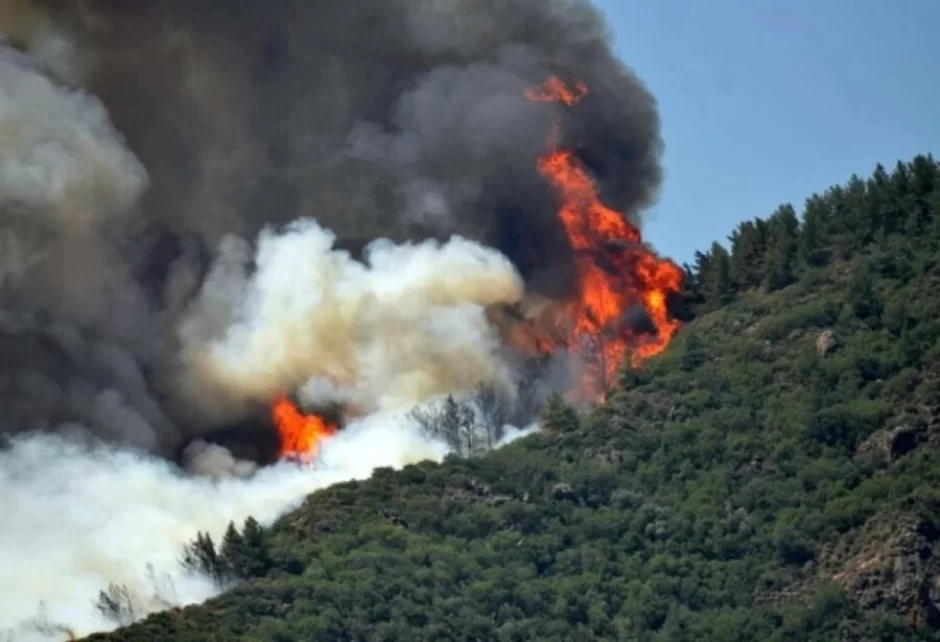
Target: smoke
203,205
148,145
79,517
407,324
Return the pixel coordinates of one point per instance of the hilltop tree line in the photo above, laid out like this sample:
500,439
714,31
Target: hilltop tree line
886,211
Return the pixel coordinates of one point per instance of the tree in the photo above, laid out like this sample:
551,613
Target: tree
924,179
245,555
117,605
690,298
491,414
859,221
694,353
934,205
881,212
43,625
164,590
782,256
861,293
813,241
256,551
558,416
748,251
232,554
717,281
453,422
200,556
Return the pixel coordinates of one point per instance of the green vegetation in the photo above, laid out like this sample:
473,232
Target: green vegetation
773,476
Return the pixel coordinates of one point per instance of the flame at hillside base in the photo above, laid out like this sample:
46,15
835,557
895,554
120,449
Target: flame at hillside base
616,272
300,434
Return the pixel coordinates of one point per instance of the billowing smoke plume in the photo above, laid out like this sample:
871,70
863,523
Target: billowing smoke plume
147,145
207,204
407,325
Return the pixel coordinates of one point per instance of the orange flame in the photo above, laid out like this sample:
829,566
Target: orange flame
300,434
615,270
556,91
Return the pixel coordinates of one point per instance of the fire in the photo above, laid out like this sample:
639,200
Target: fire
300,434
616,272
556,91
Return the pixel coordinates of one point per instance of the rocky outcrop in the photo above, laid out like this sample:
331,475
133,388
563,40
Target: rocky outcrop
604,454
826,342
394,517
562,491
758,466
476,491
891,566
890,444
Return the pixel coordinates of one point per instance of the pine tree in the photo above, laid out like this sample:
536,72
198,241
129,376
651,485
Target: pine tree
718,284
813,240
200,556
233,553
702,266
862,296
880,208
905,201
923,180
116,604
925,175
782,256
690,298
858,223
934,205
558,416
842,236
693,352
257,554
748,250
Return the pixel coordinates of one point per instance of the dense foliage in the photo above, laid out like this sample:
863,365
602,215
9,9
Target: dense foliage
773,476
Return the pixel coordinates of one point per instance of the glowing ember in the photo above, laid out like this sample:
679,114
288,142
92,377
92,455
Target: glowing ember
300,434
616,272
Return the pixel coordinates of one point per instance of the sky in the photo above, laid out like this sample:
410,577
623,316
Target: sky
764,102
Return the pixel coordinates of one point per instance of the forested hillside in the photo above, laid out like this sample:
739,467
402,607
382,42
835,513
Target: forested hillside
773,476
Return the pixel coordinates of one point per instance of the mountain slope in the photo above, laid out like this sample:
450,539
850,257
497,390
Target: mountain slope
775,475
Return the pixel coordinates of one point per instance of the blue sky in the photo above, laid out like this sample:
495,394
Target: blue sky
764,102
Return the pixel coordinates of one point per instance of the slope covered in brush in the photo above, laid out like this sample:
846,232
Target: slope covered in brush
774,475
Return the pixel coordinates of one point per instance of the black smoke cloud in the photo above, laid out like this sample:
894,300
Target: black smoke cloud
403,119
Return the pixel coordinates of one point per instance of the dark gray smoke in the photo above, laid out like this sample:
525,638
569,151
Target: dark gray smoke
403,119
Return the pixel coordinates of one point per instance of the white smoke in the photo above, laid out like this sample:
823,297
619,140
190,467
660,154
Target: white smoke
513,433
403,326
78,518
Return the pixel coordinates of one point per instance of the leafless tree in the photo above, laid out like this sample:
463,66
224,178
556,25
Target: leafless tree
452,422
469,426
117,604
202,558
492,414
164,591
42,625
